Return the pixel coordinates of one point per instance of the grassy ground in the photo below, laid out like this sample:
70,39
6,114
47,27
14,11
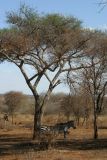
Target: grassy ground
16,142
59,155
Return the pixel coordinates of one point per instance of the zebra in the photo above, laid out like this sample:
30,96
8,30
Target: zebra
63,127
59,128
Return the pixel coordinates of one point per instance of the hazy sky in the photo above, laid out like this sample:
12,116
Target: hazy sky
85,10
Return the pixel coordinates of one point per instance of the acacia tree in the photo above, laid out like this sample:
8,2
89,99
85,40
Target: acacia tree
13,101
96,86
42,44
95,76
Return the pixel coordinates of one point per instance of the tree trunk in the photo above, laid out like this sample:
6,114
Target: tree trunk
37,119
78,121
12,118
95,123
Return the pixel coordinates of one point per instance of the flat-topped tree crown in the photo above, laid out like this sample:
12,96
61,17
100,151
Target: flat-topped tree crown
48,43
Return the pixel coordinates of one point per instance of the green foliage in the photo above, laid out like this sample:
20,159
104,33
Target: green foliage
57,20
25,16
27,20
24,20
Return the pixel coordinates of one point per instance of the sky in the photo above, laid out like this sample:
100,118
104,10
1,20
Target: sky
88,11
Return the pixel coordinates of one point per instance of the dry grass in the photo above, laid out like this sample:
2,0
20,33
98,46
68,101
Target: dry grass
59,155
16,143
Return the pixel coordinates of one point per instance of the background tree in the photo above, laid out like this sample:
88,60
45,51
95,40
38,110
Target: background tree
66,106
78,102
3,106
76,106
13,100
85,102
95,77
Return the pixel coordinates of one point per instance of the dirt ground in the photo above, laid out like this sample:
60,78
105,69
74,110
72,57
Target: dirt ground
16,143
